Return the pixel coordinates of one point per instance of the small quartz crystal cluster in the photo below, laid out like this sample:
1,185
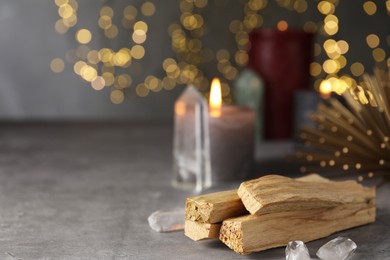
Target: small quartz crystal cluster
340,248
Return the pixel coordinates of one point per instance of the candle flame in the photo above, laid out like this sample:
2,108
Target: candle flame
180,108
215,98
282,25
325,89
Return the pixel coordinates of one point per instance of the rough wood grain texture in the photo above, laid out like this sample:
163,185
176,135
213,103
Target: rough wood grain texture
197,231
253,233
214,207
274,193
313,177
218,206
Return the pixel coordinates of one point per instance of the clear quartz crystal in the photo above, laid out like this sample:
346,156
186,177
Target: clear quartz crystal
191,156
167,221
297,250
339,248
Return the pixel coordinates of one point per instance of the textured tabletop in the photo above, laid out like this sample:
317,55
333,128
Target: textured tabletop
84,191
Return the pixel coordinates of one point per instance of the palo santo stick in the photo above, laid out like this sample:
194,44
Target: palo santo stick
197,231
253,233
274,193
214,207
313,177
218,206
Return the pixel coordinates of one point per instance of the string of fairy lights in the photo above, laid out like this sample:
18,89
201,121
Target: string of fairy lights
120,70
336,50
107,67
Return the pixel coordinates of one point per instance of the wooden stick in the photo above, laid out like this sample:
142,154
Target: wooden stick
347,115
327,150
354,105
218,206
214,207
358,136
380,93
313,177
198,231
336,141
252,233
347,127
274,193
316,157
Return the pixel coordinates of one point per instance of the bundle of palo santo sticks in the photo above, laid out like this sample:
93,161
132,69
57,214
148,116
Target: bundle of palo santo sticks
353,137
271,211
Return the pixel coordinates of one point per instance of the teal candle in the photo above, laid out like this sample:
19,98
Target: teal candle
248,92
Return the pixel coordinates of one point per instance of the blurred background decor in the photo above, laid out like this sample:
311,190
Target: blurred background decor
30,91
355,137
283,59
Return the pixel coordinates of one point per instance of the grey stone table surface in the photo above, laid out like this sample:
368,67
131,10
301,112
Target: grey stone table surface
84,191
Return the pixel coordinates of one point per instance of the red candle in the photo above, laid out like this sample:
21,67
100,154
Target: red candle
282,59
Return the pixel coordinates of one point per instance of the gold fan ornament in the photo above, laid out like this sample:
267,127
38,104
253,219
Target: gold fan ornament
351,137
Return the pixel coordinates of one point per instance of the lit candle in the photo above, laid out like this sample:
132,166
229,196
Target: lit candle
212,143
231,131
325,89
215,98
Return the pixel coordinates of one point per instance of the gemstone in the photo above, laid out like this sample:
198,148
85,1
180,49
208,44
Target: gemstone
297,250
339,248
167,221
191,158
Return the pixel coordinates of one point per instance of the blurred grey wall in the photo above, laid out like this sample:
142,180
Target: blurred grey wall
29,90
